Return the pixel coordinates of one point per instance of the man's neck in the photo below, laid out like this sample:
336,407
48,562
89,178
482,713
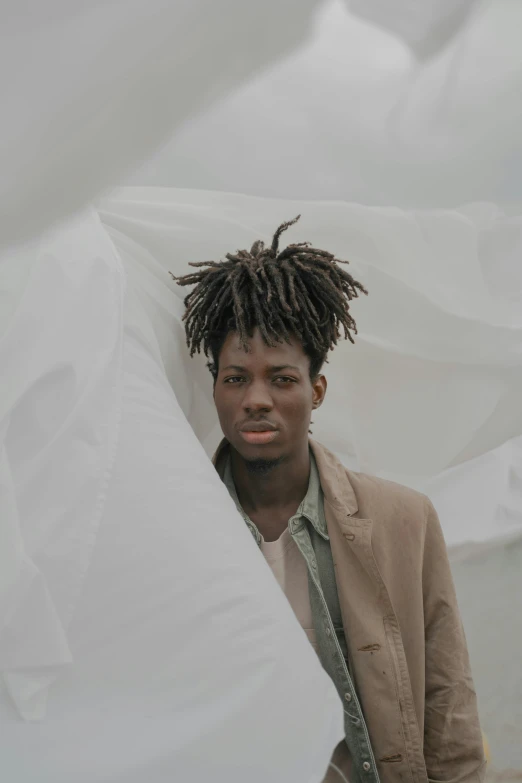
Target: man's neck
271,498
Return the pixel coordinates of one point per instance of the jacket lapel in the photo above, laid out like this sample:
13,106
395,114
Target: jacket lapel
341,509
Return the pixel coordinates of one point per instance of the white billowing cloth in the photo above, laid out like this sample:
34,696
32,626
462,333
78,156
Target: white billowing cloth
140,628
353,116
98,585
60,353
89,89
425,26
435,377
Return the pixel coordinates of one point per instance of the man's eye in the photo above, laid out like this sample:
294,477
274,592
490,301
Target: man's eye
235,379
285,379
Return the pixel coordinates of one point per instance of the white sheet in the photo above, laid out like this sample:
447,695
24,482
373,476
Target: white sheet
140,628
59,414
352,115
425,26
89,89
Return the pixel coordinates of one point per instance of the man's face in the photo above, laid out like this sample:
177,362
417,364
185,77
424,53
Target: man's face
265,398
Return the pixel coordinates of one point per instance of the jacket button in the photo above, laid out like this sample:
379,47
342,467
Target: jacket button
348,696
349,536
367,766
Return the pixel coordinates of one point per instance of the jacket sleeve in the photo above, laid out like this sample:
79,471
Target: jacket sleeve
453,744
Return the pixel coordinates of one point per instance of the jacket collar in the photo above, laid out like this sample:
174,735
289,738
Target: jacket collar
335,480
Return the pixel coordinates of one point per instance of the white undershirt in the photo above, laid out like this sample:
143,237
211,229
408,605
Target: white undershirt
289,568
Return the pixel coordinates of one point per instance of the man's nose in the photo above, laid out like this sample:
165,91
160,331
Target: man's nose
257,397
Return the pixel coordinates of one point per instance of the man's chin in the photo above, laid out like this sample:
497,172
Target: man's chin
261,466
257,459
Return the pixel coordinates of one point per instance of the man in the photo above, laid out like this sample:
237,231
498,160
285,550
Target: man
361,560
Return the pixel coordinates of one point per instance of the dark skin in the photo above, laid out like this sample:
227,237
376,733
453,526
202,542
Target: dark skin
268,387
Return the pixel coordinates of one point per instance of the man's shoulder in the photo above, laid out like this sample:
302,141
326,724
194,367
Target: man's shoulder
374,497
383,489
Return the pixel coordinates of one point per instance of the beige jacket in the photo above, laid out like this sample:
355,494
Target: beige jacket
408,653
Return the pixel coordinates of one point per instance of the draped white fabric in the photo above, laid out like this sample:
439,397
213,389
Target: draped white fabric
139,628
352,115
426,27
90,88
59,412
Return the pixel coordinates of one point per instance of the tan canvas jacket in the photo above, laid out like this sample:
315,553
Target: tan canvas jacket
408,653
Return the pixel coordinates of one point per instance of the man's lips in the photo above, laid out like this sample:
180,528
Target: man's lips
259,437
258,432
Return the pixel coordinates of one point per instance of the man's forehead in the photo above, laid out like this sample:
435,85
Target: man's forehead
282,353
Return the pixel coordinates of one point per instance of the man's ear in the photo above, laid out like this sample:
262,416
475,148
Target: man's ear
319,386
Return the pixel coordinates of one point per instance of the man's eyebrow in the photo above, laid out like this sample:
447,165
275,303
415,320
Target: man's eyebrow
272,368
280,367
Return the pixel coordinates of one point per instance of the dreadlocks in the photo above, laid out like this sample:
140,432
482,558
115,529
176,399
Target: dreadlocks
299,290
